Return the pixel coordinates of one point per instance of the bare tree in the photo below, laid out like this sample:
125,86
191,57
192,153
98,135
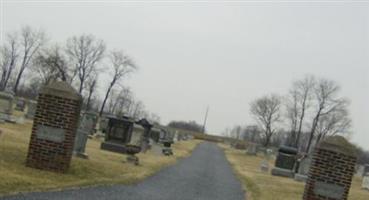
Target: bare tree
9,56
293,116
267,112
297,106
122,102
327,103
32,41
138,110
122,65
236,132
51,64
84,52
333,123
251,133
154,118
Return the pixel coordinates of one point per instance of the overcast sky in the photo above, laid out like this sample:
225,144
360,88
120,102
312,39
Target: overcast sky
219,54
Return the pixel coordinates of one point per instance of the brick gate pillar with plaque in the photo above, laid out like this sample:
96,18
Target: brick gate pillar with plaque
332,169
54,128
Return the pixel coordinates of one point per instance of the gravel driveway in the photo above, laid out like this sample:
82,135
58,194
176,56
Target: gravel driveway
205,175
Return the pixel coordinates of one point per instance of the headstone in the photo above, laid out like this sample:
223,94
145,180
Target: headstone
331,170
90,122
118,134
268,154
167,150
175,137
155,134
156,149
359,169
252,149
31,109
365,184
261,150
54,128
20,104
303,169
144,139
125,136
285,162
264,166
240,145
131,150
137,135
19,120
366,169
103,124
85,128
6,106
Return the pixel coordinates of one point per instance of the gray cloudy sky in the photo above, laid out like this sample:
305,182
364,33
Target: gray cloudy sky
220,54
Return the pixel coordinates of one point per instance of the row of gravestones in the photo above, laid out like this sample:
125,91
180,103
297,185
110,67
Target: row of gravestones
6,107
328,172
59,131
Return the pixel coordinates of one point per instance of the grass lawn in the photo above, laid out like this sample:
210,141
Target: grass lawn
102,167
263,186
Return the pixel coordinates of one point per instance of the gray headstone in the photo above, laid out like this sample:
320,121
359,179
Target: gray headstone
264,166
6,105
103,125
80,143
156,149
20,104
303,169
304,166
19,120
268,154
366,169
31,110
83,131
87,123
252,149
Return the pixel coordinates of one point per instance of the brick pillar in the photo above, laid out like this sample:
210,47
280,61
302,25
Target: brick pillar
332,169
54,128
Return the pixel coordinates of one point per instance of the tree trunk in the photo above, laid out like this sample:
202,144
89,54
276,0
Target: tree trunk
88,100
300,124
313,128
105,99
18,81
80,87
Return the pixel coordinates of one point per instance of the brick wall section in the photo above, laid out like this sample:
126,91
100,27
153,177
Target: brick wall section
331,167
57,112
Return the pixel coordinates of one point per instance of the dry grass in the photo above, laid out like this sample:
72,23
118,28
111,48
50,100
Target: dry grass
102,167
263,186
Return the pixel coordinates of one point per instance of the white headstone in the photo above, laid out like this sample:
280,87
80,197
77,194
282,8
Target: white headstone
264,166
365,184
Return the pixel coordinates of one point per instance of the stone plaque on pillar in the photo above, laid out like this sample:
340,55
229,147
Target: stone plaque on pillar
54,127
331,170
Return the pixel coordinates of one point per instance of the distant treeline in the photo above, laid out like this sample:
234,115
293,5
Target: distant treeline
189,126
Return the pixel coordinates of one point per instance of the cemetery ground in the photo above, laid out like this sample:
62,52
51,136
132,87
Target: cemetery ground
102,167
263,186
204,175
